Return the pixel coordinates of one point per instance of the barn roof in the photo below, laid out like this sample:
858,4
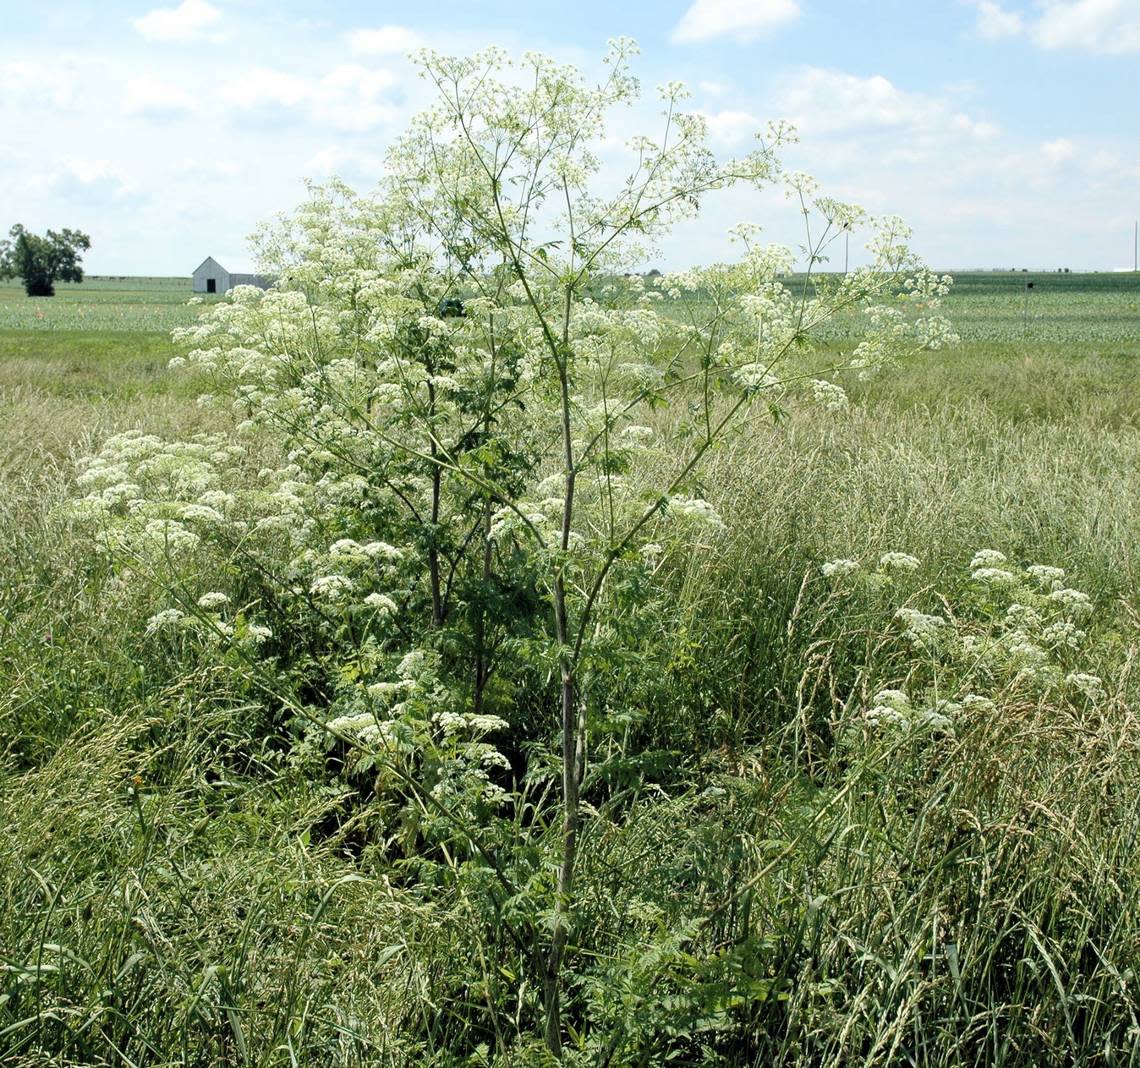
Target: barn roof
208,262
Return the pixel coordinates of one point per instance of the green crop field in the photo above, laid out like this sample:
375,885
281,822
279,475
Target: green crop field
178,887
112,304
1063,308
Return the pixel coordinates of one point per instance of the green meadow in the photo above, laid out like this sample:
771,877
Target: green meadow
177,888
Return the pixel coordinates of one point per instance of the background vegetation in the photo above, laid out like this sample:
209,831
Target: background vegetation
757,888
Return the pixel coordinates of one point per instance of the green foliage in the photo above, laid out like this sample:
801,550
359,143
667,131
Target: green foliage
738,904
41,261
456,509
262,804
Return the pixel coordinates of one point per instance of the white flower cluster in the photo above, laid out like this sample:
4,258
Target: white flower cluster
1046,578
696,509
1030,643
832,397
1089,686
888,562
755,376
468,723
369,732
386,420
1072,601
925,631
155,498
892,710
988,567
994,576
208,624
381,603
167,619
896,561
331,587
349,549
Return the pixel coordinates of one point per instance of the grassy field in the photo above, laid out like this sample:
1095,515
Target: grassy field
174,891
119,305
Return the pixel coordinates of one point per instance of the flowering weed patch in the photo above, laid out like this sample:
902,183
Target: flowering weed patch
478,673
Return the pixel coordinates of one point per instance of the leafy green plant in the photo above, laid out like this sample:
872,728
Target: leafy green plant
458,509
748,892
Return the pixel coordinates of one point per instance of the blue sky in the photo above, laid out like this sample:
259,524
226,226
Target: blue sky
1005,132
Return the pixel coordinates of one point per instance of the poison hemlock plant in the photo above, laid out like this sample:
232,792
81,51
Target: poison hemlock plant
474,437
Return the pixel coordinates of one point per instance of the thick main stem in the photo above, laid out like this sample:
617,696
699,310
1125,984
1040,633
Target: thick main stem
436,494
433,548
572,752
573,734
481,666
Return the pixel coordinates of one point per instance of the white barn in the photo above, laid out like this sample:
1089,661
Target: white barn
212,277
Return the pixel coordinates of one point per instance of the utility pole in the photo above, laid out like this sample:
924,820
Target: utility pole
1025,311
1136,246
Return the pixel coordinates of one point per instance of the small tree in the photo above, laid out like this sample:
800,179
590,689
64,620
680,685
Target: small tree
41,261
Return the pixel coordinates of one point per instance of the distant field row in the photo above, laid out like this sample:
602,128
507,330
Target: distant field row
997,306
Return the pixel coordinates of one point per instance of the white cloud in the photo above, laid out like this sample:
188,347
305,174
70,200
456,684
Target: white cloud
148,95
1105,162
929,151
824,101
335,159
729,128
995,22
972,199
54,84
349,97
745,20
1106,26
365,82
198,165
89,181
984,131
827,101
264,87
1060,151
88,170
191,20
384,41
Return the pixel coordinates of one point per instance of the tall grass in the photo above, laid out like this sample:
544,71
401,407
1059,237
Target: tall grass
177,890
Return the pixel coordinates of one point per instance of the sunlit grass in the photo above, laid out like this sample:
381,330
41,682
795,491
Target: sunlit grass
175,892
